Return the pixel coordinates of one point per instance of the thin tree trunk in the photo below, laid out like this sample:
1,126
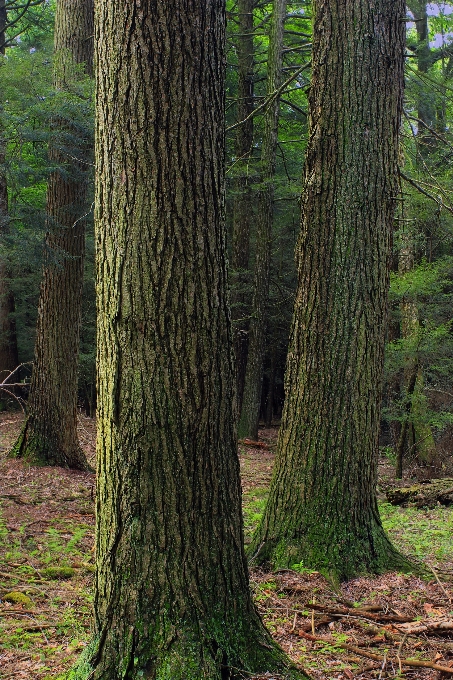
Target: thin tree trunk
270,392
248,423
426,104
404,438
8,340
322,510
49,435
172,598
416,434
243,210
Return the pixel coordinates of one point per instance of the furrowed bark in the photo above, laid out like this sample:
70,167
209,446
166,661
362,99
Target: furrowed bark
322,509
172,597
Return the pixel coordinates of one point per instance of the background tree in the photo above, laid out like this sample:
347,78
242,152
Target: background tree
8,340
275,129
172,597
322,509
248,422
418,406
49,434
243,212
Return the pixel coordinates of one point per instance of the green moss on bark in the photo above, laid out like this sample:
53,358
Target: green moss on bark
214,655
38,449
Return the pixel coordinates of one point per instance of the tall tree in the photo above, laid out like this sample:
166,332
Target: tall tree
49,435
248,422
243,200
172,598
8,342
322,509
415,433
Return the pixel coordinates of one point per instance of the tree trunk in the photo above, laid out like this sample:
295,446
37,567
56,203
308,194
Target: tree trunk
172,598
8,340
248,423
322,510
49,435
270,391
243,211
416,433
426,141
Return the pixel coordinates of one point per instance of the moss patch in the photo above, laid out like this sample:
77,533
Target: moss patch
18,598
52,573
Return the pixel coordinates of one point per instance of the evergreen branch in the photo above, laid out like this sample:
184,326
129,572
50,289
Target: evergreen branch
420,189
268,101
429,129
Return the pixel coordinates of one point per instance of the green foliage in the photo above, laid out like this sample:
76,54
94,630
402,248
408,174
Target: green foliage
424,534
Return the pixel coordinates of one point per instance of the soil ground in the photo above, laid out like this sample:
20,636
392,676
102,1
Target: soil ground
368,629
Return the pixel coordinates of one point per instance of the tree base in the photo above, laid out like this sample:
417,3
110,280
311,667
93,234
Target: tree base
337,555
41,451
189,659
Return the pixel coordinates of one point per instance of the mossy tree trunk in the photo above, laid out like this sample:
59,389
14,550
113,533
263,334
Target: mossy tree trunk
172,597
243,214
49,435
8,340
250,411
322,509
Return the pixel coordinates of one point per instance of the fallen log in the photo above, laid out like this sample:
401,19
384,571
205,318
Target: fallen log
254,444
429,626
429,494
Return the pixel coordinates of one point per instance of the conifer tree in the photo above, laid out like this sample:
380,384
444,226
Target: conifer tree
322,509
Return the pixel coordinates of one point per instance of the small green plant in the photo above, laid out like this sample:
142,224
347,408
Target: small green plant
389,453
79,533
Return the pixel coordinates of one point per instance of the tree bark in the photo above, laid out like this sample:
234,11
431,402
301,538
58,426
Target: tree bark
8,340
172,598
248,422
322,510
49,435
243,215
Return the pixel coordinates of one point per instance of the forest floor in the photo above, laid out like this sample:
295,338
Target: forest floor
370,628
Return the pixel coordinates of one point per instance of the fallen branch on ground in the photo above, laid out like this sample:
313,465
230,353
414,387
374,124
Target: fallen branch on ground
430,626
358,613
412,663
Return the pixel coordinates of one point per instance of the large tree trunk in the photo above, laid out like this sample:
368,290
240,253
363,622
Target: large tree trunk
243,211
172,598
49,435
8,340
248,422
322,510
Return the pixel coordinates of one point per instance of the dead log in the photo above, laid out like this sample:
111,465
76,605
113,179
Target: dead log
429,626
430,494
